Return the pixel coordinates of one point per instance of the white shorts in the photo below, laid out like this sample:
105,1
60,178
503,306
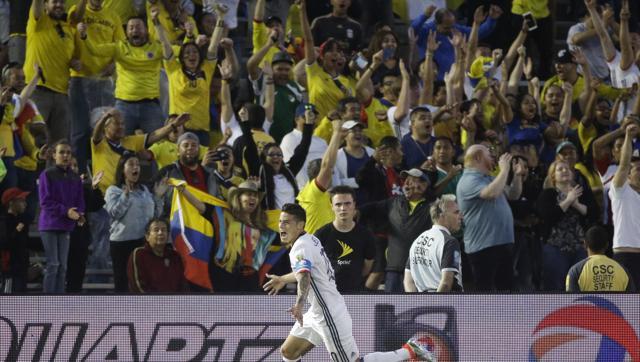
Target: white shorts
334,332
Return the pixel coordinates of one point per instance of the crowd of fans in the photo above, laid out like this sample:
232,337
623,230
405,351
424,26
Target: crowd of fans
454,123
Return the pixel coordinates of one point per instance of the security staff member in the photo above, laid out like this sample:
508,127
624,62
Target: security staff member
434,258
598,273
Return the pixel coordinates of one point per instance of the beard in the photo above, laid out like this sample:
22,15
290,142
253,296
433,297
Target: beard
189,160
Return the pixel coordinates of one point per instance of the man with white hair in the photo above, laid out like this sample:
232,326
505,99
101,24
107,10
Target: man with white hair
488,231
434,263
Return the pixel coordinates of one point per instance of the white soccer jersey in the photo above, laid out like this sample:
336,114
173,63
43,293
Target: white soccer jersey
328,320
432,253
307,255
623,79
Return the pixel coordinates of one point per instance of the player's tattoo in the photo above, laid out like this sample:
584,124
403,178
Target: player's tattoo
304,283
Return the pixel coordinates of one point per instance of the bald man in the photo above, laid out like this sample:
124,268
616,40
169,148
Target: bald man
488,231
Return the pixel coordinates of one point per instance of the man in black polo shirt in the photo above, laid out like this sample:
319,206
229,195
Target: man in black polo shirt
349,245
403,217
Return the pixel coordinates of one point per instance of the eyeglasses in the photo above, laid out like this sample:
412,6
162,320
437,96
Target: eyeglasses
273,155
60,31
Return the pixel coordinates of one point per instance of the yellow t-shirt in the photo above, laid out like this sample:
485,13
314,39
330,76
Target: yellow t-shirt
323,91
598,273
593,178
376,130
586,135
105,159
538,8
165,152
174,33
317,204
138,68
50,43
191,96
103,26
603,90
413,204
29,161
260,38
6,130
122,8
324,129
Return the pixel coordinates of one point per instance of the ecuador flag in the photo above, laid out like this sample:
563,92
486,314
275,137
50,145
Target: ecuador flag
193,234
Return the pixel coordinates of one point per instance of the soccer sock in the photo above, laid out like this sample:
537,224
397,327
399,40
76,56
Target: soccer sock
290,360
398,355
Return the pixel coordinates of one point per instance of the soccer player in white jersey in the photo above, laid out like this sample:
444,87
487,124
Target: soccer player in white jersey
434,263
327,320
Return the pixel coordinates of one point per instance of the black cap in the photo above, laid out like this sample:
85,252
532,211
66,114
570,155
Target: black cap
281,57
564,56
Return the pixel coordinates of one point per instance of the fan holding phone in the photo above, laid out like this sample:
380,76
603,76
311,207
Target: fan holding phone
386,41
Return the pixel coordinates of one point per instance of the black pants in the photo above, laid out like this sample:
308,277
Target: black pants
631,262
77,259
120,252
492,268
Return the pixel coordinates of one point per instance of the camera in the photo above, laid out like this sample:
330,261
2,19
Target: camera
220,155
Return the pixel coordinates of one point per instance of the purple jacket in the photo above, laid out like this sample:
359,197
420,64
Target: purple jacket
59,191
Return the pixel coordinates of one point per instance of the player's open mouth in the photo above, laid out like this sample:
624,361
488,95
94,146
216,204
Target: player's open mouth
283,234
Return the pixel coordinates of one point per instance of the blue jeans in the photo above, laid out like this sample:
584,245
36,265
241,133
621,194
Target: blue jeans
145,115
556,264
394,282
85,94
56,250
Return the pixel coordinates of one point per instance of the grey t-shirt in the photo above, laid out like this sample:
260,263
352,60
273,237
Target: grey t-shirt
487,223
592,51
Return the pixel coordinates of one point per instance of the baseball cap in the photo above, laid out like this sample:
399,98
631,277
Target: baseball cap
302,107
563,56
13,193
419,109
281,57
351,124
564,144
415,172
188,136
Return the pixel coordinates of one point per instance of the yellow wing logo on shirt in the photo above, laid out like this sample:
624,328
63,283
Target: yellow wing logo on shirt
346,249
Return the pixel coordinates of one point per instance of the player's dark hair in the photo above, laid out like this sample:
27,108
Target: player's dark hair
596,239
296,211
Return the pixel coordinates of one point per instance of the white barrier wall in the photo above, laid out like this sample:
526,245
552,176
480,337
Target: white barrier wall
251,328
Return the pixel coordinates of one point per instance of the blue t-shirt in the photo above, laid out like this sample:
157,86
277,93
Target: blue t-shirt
530,134
415,153
487,223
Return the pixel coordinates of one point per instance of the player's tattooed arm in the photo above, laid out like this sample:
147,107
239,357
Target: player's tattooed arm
304,284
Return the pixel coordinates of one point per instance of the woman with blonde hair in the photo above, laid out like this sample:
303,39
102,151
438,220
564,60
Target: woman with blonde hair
566,212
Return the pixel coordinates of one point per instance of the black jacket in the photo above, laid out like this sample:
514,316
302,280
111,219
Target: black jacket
402,227
258,166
